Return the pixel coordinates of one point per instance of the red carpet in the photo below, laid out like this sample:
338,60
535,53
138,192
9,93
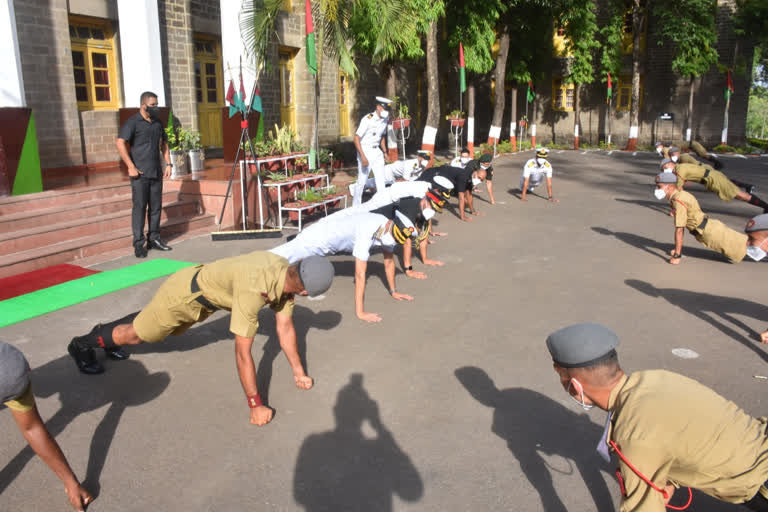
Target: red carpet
38,279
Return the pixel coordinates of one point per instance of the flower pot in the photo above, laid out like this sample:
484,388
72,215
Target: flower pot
179,161
457,122
196,160
337,164
400,123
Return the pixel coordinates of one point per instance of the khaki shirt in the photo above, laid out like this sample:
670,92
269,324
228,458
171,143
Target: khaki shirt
674,429
685,158
245,284
688,213
691,172
24,403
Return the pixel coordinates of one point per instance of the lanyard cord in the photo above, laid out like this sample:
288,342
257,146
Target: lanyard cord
647,481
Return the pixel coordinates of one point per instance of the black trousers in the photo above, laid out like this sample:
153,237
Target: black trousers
147,202
758,503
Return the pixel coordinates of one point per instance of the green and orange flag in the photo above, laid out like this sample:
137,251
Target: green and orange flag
531,94
729,90
311,55
462,70
609,93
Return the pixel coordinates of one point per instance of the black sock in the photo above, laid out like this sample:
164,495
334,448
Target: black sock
101,335
758,202
740,184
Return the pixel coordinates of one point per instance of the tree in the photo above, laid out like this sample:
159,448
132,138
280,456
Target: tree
639,12
751,22
580,23
499,77
611,53
757,116
689,25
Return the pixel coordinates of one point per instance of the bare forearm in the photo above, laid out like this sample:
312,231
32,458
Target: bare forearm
246,369
45,446
549,187
360,286
122,148
524,192
679,232
470,201
407,251
389,270
286,333
489,187
166,152
461,205
423,249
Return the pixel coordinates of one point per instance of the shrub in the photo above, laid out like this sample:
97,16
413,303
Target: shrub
724,148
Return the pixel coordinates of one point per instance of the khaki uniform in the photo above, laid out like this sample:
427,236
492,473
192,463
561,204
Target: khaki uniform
674,429
23,403
715,235
715,181
685,158
242,284
699,150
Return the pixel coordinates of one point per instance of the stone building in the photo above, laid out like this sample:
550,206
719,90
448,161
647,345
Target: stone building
76,63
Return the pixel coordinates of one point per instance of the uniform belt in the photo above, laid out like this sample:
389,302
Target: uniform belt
703,224
706,173
200,299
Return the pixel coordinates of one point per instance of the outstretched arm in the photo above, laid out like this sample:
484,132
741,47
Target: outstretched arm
463,216
677,251
549,191
524,191
360,268
260,415
45,446
286,333
407,253
489,187
389,270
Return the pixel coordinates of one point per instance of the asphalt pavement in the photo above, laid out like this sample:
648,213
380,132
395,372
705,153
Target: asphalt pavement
449,404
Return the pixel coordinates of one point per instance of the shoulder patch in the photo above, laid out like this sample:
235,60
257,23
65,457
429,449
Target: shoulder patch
546,164
369,116
531,163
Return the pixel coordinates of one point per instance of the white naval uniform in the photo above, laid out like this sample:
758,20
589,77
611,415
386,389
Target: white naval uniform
355,234
372,128
535,173
407,170
392,194
456,162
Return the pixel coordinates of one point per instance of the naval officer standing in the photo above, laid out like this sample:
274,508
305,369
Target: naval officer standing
370,146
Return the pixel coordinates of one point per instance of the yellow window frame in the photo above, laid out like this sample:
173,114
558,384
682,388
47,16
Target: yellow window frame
89,46
559,40
288,87
624,92
208,57
562,92
287,6
344,127
627,33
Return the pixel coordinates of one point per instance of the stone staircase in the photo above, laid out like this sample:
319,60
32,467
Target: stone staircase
65,225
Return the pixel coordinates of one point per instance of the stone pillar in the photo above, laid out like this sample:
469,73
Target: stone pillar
11,80
176,20
140,50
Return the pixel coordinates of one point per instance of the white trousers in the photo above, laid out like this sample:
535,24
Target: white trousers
376,164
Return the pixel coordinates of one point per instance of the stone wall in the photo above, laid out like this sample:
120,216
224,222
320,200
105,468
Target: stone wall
46,62
206,16
99,135
178,60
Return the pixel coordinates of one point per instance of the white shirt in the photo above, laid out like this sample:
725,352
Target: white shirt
405,169
356,234
392,194
371,129
536,172
456,162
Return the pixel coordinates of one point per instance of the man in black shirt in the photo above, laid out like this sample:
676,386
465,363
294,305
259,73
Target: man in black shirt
140,142
484,163
464,180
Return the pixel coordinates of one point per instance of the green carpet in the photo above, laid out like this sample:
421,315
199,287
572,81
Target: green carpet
73,292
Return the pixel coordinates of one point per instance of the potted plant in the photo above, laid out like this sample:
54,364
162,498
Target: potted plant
523,121
324,157
294,215
194,150
402,118
456,117
178,160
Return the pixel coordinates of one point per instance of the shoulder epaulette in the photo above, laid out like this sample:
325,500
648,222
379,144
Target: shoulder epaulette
546,164
369,116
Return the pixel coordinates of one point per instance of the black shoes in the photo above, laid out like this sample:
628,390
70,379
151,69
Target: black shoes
750,189
140,252
85,358
117,354
158,244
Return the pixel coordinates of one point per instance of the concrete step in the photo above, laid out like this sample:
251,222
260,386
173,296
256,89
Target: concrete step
70,212
94,244
61,197
47,234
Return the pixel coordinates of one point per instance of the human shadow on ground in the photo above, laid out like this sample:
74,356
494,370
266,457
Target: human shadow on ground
659,249
347,268
663,206
128,384
518,193
345,469
717,310
532,423
303,320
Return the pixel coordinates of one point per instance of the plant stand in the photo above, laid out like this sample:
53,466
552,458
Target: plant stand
403,129
301,209
457,128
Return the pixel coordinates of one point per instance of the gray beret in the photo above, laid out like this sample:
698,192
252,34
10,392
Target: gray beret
666,177
658,143
758,223
316,274
485,158
14,373
580,345
665,162
674,149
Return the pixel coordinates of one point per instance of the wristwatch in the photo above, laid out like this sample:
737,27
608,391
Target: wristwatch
168,164
676,256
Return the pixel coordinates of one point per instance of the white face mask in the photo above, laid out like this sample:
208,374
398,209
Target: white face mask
485,167
540,161
659,149
668,169
660,194
387,239
384,114
476,181
581,402
674,158
427,213
755,252
464,159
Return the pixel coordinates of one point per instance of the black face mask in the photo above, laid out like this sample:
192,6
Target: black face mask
153,111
